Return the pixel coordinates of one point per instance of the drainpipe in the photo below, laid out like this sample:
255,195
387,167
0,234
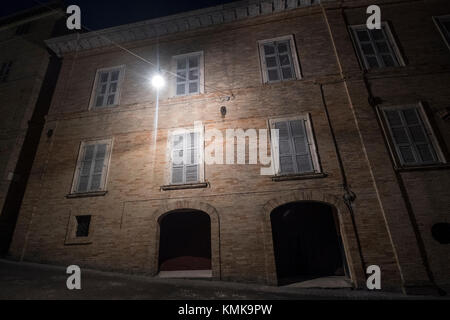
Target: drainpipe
348,196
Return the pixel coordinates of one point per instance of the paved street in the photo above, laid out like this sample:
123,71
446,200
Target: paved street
35,281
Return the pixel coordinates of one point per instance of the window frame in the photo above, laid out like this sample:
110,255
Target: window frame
294,57
120,81
108,156
398,162
317,168
392,42
173,85
441,29
201,148
72,226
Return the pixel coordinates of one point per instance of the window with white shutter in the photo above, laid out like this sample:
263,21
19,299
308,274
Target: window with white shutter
412,139
107,87
443,23
278,59
186,157
92,167
376,47
189,71
297,151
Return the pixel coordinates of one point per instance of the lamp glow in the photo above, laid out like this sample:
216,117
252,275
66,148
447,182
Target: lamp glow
158,81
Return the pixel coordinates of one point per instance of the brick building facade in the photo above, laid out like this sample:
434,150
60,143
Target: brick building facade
362,113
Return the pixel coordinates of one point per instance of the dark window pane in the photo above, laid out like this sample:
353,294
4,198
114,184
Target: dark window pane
284,60
377,34
407,154
426,154
382,47
181,89
99,101
193,74
393,118
271,62
273,75
115,75
83,223
193,62
417,134
282,47
181,63
269,49
410,116
193,87
373,62
362,35
103,77
388,61
400,136
287,73
367,48
110,100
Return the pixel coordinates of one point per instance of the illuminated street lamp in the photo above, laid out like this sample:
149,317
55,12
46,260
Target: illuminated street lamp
158,81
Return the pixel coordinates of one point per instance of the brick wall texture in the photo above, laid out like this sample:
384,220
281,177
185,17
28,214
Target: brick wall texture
393,210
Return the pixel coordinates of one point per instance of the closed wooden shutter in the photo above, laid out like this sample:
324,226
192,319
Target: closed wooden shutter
278,61
294,148
93,168
107,93
185,158
409,136
375,48
188,75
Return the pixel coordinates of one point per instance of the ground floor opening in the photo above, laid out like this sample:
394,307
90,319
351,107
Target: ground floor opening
185,244
307,242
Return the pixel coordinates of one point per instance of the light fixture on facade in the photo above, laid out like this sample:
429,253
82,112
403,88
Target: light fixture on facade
158,81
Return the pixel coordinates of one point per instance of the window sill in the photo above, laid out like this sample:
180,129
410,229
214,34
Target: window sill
302,176
185,186
75,241
86,194
441,166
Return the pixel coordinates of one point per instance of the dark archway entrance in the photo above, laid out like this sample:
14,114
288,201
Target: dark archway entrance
307,242
185,241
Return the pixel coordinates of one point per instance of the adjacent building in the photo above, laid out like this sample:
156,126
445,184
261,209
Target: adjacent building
28,72
360,177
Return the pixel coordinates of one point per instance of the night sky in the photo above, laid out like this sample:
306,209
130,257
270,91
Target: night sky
98,14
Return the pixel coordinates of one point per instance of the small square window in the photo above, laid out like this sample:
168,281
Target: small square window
83,223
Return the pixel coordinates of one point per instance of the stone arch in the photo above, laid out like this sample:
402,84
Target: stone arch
171,206
345,224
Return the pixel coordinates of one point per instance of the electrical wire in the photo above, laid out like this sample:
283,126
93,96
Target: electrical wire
133,53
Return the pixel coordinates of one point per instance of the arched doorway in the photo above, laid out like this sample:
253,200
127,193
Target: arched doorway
307,242
185,241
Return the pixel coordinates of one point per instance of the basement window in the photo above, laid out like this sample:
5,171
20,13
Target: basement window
83,223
